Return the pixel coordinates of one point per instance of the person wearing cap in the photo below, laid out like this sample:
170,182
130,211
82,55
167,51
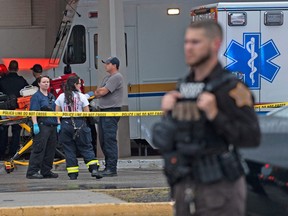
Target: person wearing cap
110,94
37,72
11,84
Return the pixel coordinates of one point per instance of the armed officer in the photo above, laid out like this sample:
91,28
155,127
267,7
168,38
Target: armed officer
209,116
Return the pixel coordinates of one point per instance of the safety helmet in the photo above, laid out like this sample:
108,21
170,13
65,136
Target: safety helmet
3,70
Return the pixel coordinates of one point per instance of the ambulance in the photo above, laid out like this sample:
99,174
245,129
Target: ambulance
255,44
255,49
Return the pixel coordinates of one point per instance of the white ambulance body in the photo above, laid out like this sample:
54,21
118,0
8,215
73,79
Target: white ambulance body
255,44
255,38
154,53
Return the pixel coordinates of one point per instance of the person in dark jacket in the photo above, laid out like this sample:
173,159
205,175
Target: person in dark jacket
11,84
212,116
37,72
45,131
3,72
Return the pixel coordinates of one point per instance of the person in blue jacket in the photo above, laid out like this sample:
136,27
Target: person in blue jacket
45,133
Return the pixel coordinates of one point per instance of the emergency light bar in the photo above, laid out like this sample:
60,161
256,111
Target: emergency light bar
204,14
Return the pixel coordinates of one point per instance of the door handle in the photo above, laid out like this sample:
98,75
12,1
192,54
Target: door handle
130,86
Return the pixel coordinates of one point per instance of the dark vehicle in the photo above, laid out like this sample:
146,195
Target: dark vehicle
268,165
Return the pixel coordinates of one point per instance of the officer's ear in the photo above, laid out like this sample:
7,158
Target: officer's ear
216,44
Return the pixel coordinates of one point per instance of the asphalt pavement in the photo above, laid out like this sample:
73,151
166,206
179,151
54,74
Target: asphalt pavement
21,196
132,173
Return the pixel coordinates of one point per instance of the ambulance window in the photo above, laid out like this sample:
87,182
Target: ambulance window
237,19
96,50
273,18
76,48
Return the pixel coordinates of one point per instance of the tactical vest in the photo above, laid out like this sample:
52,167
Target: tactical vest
193,148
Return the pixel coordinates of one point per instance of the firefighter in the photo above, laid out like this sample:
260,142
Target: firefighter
75,134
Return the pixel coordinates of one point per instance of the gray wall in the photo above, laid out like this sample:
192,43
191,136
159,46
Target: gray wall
29,27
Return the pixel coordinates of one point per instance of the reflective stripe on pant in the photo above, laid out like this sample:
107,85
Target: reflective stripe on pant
93,162
108,140
73,169
82,142
223,198
43,151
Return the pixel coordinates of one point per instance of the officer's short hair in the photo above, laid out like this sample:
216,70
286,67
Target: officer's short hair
13,66
212,28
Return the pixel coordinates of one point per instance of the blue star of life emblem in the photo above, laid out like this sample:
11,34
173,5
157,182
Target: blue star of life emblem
253,59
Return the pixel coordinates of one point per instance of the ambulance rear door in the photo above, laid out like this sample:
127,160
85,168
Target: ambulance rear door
242,48
274,76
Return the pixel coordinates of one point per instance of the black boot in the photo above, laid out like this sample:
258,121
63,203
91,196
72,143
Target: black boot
73,176
93,169
109,172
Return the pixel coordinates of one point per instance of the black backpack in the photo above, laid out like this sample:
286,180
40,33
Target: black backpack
8,102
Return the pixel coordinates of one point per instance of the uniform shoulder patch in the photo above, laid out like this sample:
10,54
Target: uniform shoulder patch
241,95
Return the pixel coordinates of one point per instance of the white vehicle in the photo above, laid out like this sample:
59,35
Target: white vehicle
255,44
152,65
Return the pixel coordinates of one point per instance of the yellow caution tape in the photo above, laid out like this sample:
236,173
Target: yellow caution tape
79,114
107,114
271,105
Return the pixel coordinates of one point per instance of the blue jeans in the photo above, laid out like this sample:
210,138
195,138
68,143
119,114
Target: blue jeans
107,128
